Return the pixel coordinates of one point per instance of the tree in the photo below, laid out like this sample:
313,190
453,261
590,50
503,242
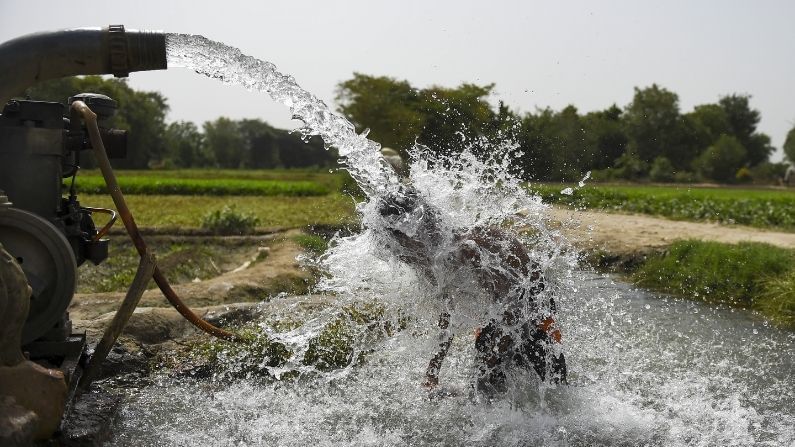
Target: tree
185,146
742,124
225,142
260,139
708,122
536,140
456,118
388,107
655,128
444,119
789,145
605,132
722,160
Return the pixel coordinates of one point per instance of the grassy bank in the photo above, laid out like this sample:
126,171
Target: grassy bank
748,275
763,208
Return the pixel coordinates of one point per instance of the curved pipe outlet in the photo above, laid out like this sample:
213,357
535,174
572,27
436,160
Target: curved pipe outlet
37,57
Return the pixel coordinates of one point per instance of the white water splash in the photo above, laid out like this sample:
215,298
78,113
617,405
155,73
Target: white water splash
229,65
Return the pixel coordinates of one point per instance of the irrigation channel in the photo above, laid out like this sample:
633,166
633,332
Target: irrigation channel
643,369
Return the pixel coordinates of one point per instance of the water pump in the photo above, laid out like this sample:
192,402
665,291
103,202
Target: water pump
42,223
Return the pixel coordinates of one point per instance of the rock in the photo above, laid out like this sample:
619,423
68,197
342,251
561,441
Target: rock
126,357
90,421
233,314
17,424
38,389
151,325
14,304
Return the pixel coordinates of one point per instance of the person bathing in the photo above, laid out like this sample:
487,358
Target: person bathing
523,334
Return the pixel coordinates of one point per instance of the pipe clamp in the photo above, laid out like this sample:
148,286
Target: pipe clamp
117,46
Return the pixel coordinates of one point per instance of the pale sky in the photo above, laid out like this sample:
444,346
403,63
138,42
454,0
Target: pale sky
551,53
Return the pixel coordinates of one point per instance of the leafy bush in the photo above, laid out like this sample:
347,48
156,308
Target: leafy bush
340,342
744,175
686,177
721,161
768,172
662,170
630,167
229,221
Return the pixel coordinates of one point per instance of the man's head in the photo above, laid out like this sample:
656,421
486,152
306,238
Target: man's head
412,227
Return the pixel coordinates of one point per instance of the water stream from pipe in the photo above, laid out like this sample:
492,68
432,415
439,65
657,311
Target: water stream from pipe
644,370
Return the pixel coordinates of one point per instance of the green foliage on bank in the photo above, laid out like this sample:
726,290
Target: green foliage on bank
777,300
714,271
252,356
312,243
755,207
339,343
748,275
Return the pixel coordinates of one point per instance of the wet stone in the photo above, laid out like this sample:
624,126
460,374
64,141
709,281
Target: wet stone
90,421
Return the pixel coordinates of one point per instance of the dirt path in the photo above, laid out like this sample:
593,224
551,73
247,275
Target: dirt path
625,233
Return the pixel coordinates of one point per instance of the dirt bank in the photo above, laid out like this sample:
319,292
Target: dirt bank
632,233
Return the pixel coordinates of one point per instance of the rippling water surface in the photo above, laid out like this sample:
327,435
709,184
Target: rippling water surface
645,370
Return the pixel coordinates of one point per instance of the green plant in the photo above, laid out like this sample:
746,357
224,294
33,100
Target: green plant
253,354
311,243
744,175
662,170
714,271
229,221
777,300
334,347
721,161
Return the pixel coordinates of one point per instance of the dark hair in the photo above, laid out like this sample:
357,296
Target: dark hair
403,201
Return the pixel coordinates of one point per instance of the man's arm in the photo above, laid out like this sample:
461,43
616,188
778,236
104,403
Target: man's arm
432,373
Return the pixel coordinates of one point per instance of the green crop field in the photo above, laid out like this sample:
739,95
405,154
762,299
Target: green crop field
198,182
764,208
273,211
182,198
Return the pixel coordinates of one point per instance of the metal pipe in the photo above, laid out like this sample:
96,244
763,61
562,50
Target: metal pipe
80,110
112,220
38,57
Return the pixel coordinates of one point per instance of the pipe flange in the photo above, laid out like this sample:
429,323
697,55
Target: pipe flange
117,46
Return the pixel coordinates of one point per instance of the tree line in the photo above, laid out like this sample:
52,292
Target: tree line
649,138
221,143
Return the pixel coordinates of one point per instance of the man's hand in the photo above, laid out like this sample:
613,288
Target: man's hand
431,382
